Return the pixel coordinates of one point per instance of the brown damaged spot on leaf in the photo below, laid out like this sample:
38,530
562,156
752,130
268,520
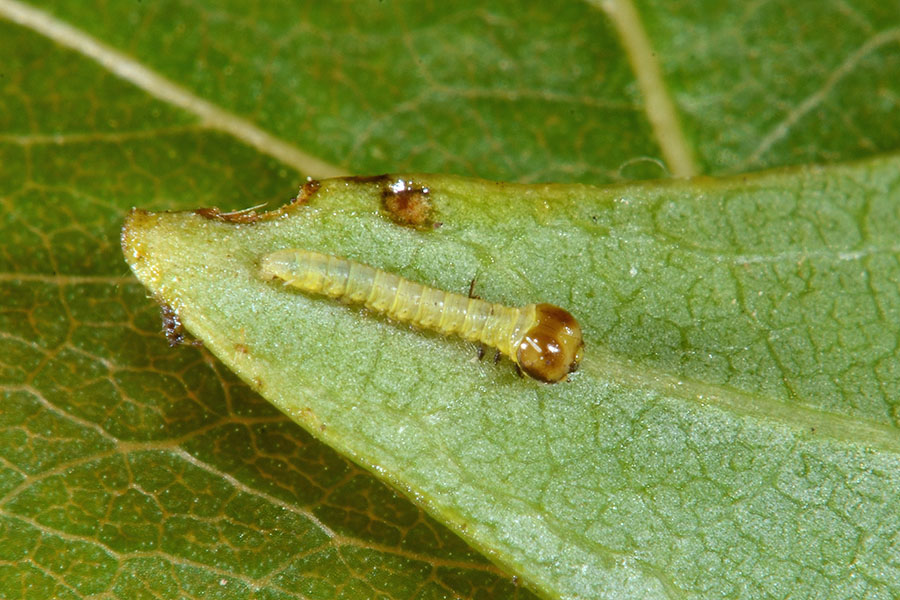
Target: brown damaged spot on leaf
213,213
307,191
173,328
404,202
249,215
379,179
407,204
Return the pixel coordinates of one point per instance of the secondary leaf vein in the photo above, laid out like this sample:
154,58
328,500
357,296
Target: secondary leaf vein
158,86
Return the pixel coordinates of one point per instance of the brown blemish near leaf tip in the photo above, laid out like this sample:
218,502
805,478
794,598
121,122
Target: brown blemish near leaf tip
249,215
307,191
173,328
407,204
213,213
379,179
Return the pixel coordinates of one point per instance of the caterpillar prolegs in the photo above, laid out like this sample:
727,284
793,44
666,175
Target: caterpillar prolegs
543,340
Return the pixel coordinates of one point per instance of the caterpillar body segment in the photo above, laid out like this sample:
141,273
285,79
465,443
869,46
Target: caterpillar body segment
543,340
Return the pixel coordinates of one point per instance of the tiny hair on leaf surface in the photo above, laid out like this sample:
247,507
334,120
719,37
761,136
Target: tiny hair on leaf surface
709,423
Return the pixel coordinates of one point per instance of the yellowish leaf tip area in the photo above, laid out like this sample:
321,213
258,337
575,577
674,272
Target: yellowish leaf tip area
543,340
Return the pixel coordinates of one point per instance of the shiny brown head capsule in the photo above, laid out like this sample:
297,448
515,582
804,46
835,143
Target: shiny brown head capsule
552,347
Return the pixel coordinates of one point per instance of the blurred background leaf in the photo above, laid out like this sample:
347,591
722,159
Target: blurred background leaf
129,469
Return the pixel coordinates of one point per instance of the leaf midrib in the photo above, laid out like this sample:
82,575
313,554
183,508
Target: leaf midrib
658,104
811,422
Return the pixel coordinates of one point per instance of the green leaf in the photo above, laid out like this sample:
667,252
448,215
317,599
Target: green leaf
778,83
129,469
734,406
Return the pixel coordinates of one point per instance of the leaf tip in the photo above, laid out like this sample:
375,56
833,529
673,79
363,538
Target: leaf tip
135,222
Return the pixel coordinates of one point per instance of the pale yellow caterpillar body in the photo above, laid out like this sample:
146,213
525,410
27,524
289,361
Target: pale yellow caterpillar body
543,340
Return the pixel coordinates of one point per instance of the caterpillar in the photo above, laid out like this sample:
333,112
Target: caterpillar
543,340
